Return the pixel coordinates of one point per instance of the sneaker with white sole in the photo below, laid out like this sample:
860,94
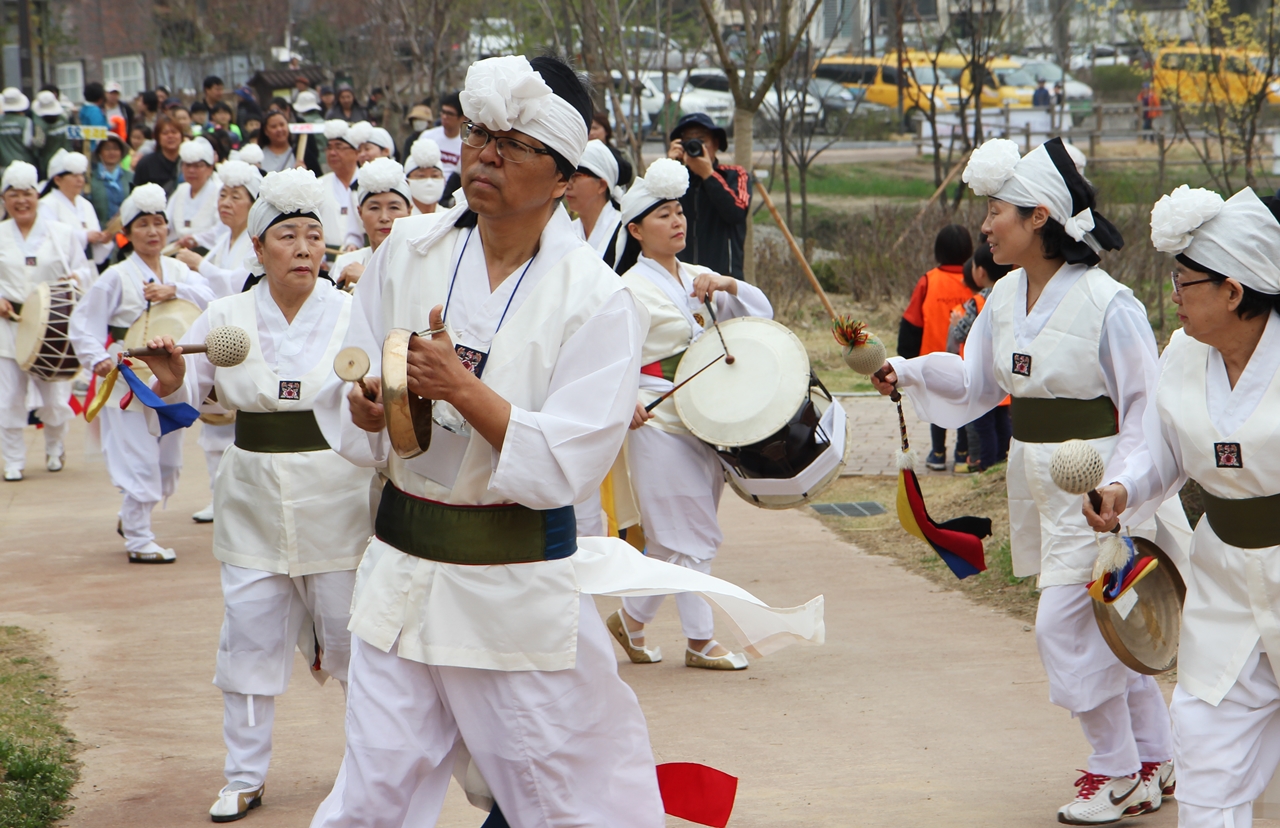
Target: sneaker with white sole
152,553
12,475
235,801
205,515
1160,781
1168,777
1101,800
54,463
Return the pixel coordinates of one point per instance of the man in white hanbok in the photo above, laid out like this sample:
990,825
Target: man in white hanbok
1213,420
342,227
1074,349
33,249
477,647
293,516
142,466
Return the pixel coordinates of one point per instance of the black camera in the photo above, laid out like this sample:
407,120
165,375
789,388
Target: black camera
693,147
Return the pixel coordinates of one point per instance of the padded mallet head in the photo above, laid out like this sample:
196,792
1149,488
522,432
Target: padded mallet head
1076,467
227,345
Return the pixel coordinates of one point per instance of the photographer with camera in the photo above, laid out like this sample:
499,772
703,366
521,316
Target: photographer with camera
718,198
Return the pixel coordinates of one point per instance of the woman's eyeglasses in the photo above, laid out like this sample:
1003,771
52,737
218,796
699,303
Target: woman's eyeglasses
509,149
1178,284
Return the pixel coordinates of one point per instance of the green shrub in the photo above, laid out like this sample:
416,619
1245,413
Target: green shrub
34,785
1117,84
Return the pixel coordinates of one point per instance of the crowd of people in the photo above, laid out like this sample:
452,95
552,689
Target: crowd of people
448,590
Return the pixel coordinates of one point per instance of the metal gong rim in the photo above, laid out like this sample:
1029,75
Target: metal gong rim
1147,641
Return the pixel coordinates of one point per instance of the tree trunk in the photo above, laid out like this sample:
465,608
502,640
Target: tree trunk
743,156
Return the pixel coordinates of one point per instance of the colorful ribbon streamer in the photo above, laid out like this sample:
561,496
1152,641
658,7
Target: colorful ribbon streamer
172,416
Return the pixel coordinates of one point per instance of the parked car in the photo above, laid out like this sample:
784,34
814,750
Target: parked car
640,100
1079,95
652,50
1197,75
878,80
1098,55
706,90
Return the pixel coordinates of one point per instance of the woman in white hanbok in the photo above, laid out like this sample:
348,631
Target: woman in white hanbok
63,202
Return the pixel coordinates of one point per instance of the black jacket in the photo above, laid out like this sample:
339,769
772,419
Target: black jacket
717,208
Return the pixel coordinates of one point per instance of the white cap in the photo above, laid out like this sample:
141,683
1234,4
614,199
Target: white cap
250,153
112,86
424,153
1239,237
20,175
237,173
382,175
360,132
67,162
307,101
13,100
148,199
46,104
285,193
382,138
337,130
197,150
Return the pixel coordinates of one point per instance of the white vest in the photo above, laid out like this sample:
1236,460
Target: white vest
133,304
293,513
18,279
1233,594
522,355
189,216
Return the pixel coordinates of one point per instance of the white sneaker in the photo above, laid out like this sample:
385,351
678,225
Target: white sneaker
153,553
1164,776
1101,800
205,515
235,801
53,464
12,475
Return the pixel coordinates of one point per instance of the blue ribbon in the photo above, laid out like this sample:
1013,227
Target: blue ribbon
173,416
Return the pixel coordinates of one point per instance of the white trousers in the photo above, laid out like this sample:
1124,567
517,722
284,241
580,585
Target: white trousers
557,749
677,482
1123,714
265,615
1227,754
55,412
144,468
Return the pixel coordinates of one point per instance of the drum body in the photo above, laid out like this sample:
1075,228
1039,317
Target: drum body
778,433
1146,638
408,416
172,318
43,344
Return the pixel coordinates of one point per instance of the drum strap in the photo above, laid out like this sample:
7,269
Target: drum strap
1245,523
1058,420
279,432
117,333
474,535
17,307
664,368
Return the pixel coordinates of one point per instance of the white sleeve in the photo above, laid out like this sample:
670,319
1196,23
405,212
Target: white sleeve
951,391
199,377
223,281
562,452
1153,470
208,239
1130,367
78,265
750,301
88,326
195,288
168,214
364,331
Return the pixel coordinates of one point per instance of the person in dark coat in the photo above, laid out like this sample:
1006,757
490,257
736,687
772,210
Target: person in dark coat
719,197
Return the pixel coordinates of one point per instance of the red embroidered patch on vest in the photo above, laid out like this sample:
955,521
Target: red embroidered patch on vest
1228,455
1022,365
290,389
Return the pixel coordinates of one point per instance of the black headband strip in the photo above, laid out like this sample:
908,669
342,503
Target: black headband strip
286,217
1071,176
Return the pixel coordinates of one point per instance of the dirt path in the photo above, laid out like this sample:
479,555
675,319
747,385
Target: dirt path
922,709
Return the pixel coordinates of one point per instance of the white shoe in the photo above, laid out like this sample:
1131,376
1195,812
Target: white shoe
153,553
12,475
205,515
728,661
637,654
1162,779
1101,800
235,801
53,464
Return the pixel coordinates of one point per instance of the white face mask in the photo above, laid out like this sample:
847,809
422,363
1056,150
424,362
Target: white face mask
419,125
426,190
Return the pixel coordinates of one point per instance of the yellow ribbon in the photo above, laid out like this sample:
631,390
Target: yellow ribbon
100,399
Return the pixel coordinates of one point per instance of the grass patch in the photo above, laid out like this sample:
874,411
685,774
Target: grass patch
808,321
903,179
947,496
37,766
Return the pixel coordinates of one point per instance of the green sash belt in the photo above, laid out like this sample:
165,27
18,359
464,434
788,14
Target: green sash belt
1061,419
17,306
117,333
279,432
476,535
1246,523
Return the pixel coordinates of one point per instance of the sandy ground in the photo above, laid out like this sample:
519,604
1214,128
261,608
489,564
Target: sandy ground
922,708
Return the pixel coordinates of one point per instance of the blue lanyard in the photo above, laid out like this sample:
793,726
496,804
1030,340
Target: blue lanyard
449,297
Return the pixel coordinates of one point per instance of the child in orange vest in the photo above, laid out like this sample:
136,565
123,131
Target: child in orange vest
926,322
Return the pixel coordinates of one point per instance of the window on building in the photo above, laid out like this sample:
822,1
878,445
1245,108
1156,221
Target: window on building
911,9
129,71
69,77
837,18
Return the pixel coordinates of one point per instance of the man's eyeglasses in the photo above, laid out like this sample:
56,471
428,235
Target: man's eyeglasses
1178,284
509,149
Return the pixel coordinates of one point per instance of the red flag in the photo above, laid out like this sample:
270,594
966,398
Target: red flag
697,793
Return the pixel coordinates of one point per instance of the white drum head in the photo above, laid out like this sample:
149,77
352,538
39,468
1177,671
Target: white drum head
743,403
31,330
172,318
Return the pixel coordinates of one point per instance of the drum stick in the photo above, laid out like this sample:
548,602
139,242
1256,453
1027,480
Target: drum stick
658,401
201,348
728,357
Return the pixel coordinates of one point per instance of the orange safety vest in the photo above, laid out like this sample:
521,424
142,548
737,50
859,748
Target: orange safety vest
944,290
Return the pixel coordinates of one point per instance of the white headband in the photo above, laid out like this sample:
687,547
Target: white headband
598,159
20,175
238,173
196,150
665,180
381,138
382,175
358,133
1239,237
250,153
149,199
336,130
505,93
67,162
424,153
283,193
996,170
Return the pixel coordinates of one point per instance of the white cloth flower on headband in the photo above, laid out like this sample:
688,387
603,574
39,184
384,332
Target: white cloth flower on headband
197,150
292,191
250,153
424,154
336,130
236,173
1177,215
382,175
146,199
991,165
20,175
666,179
504,93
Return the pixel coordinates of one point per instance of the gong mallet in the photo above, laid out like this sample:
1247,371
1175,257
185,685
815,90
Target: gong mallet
225,346
658,401
352,365
728,357
1077,468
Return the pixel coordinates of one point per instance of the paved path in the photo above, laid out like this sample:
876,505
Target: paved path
922,708
875,436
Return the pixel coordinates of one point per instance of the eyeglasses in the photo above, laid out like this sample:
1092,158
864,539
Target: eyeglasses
509,149
1178,285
